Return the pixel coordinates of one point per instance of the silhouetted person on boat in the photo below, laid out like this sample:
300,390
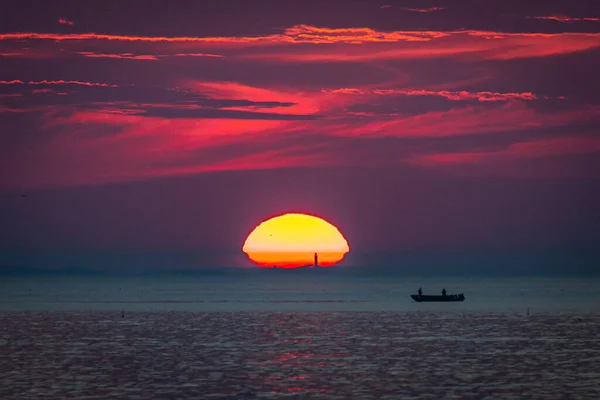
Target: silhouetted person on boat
443,291
420,292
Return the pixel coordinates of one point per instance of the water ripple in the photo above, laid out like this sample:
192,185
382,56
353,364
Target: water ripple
333,355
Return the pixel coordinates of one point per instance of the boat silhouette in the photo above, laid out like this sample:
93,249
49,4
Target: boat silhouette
421,298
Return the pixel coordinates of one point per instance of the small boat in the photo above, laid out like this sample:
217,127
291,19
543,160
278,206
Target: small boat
450,297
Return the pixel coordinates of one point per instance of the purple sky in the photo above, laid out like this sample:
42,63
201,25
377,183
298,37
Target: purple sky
430,126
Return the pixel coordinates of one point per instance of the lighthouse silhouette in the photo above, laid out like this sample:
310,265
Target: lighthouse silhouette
316,264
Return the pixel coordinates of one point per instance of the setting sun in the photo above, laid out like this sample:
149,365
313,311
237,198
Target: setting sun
295,240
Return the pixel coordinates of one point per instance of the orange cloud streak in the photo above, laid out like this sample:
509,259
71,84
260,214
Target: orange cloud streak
467,44
450,95
146,57
487,44
299,34
98,36
126,56
295,34
565,18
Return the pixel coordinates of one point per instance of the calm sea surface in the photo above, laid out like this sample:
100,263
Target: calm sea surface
274,337
299,292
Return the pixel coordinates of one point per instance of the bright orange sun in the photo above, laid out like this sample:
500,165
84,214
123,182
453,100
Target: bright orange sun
295,240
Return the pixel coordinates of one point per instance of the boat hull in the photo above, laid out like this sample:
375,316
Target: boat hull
428,298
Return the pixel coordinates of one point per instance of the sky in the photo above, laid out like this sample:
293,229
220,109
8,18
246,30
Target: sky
161,134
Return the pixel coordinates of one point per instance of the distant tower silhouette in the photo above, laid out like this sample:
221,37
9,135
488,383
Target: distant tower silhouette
316,260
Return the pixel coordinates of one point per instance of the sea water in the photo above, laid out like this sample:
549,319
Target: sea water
298,335
296,291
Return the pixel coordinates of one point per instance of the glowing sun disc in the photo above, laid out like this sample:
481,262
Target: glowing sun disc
292,240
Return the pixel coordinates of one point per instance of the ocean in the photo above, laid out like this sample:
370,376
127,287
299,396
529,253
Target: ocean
280,335
299,291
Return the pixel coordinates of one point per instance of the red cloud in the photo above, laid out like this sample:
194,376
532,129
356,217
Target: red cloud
424,10
11,110
510,117
361,44
192,55
533,149
147,57
127,56
37,53
58,82
466,44
565,18
39,91
312,34
98,36
301,103
142,147
64,21
295,34
450,95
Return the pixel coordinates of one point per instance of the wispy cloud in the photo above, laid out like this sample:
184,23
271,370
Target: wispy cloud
566,18
423,10
125,56
34,54
11,110
126,38
354,45
261,111
296,102
343,44
56,82
152,147
479,119
142,146
42,91
313,34
64,21
144,57
191,99
450,95
192,55
295,34
563,146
